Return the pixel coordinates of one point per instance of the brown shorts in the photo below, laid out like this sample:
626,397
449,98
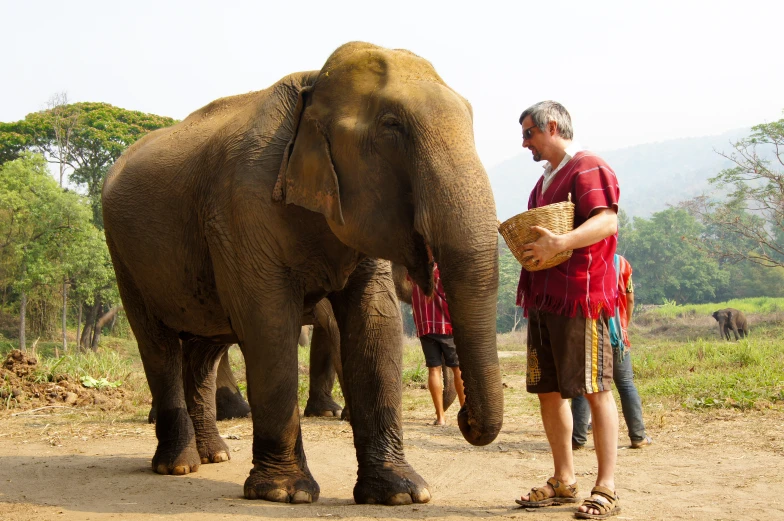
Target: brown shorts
570,355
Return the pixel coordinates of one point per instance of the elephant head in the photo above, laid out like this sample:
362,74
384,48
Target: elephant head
384,149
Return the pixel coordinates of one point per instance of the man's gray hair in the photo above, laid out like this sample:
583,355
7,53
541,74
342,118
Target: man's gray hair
546,111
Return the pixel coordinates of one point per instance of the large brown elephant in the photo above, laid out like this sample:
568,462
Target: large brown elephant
230,226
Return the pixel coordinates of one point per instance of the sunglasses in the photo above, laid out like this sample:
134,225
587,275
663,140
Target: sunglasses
528,132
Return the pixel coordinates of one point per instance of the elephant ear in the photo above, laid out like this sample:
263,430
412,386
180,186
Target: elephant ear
307,175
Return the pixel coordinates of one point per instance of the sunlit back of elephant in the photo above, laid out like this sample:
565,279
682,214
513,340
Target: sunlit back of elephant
230,226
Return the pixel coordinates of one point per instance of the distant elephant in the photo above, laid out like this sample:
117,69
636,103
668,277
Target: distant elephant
231,226
734,320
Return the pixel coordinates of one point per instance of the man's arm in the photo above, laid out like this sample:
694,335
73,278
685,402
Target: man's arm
629,307
602,223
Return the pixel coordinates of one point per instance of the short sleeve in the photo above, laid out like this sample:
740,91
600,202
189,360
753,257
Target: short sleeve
595,187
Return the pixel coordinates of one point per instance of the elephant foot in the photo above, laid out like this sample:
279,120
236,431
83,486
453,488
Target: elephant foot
176,452
230,404
345,415
322,407
176,461
213,450
391,485
298,487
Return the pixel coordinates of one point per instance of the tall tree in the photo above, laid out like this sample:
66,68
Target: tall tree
98,133
667,264
39,224
748,223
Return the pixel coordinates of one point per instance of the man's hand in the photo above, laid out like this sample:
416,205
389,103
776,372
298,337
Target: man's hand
547,246
602,223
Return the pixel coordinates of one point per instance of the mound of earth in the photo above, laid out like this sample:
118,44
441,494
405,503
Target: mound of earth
21,388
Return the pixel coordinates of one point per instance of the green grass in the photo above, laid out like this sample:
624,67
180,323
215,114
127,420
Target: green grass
713,373
756,305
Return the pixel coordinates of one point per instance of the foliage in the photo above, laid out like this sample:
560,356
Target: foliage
509,316
42,225
749,223
666,264
757,305
100,133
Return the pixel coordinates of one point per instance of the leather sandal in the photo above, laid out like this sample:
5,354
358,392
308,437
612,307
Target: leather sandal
602,499
538,497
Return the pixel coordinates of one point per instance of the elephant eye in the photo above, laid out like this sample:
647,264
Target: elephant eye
391,122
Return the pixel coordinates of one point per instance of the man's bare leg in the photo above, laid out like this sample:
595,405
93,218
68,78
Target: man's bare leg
605,439
435,384
459,385
557,420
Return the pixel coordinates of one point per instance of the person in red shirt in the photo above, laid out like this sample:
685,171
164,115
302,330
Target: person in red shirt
434,329
569,349
623,375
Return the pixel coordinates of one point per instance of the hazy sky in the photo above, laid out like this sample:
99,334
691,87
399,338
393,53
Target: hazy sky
629,72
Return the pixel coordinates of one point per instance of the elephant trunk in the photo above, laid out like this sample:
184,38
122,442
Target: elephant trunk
459,223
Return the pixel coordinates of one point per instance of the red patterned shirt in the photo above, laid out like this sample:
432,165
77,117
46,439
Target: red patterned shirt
431,314
586,281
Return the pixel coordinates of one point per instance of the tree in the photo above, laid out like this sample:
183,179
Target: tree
40,226
97,134
667,264
509,315
749,223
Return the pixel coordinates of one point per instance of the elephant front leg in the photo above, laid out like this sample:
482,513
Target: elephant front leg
371,355
280,472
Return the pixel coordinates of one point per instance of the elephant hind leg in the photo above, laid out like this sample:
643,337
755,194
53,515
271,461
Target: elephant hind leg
322,371
200,367
161,354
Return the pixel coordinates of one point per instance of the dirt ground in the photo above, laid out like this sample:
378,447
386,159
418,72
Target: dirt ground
88,464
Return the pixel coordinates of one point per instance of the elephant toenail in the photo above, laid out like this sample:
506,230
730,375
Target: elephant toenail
423,496
220,457
180,470
403,498
250,493
279,495
301,496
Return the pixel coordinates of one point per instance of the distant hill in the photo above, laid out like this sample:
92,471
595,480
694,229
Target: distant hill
652,175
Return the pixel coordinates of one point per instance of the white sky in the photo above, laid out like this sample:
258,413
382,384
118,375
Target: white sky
629,72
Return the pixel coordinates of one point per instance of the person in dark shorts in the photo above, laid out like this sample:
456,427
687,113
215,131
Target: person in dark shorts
568,306
434,328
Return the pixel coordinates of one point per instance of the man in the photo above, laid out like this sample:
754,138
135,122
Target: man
622,369
569,351
434,329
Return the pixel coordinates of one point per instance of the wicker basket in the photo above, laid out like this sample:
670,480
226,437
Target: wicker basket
516,231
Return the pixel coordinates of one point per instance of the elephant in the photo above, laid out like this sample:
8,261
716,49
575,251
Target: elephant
734,320
230,226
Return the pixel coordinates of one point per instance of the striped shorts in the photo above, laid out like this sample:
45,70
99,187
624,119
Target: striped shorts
569,355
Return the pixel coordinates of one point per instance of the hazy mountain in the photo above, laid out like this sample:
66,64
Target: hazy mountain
652,175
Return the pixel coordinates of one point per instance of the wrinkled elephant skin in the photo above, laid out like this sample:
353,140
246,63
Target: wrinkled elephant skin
232,225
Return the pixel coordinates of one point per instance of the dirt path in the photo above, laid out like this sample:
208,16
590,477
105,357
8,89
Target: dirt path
722,465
